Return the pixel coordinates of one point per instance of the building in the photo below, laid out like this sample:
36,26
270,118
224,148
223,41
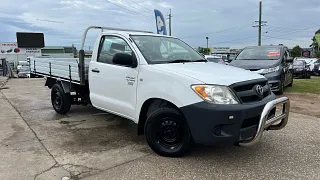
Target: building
59,51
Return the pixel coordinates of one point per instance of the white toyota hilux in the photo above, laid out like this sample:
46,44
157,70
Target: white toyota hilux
174,95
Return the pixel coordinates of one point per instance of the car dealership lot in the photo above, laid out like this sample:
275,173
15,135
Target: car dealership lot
35,142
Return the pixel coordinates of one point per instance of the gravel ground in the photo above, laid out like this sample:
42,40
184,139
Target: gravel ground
37,143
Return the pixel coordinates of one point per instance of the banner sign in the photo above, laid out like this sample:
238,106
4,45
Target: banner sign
160,23
12,48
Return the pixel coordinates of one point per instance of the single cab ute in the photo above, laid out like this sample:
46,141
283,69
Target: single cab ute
174,95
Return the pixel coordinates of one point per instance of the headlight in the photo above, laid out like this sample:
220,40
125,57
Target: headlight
215,94
270,70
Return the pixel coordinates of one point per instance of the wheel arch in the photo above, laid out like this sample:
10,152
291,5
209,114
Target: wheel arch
67,86
144,110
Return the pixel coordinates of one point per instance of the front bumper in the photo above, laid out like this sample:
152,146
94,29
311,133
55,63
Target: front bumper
274,80
298,73
212,124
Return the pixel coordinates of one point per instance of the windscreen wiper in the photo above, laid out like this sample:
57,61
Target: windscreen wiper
179,61
183,60
200,60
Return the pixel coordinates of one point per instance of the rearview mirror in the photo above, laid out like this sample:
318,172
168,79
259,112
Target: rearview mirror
125,60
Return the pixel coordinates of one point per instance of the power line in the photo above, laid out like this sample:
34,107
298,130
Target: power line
270,37
292,32
129,9
219,31
141,5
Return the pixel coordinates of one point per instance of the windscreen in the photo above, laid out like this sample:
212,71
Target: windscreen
216,60
159,49
259,53
298,63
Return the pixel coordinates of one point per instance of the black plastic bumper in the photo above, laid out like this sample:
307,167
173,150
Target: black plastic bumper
274,80
212,124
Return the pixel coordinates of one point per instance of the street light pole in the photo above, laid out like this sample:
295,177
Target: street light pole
207,45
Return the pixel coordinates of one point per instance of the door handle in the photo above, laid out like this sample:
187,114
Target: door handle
95,70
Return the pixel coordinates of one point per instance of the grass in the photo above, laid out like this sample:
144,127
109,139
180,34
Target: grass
311,86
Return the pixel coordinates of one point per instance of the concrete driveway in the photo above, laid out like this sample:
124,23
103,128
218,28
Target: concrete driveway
37,143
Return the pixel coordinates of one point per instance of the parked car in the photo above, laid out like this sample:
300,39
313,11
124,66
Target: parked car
311,62
213,58
316,68
175,102
22,64
301,69
271,61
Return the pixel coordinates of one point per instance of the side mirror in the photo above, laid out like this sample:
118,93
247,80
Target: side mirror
125,60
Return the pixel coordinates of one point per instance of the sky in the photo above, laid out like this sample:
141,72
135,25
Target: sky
226,23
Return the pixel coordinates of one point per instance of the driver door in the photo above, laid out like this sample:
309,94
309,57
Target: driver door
113,87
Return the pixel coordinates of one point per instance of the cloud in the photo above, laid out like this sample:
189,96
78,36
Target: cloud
226,23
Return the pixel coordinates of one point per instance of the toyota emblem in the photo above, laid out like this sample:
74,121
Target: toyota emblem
259,90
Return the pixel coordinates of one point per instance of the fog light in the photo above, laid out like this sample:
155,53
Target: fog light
216,131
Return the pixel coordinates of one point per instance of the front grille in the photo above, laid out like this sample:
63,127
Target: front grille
247,93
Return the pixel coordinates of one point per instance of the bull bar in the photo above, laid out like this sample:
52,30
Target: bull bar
268,124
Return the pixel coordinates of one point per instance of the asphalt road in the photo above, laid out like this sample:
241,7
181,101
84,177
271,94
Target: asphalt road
37,143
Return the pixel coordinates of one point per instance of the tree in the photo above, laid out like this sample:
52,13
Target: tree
314,44
296,51
204,50
317,54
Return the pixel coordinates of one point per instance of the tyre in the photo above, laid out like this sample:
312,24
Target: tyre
167,132
60,100
291,83
281,88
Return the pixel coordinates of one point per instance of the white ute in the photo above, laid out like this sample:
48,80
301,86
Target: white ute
174,95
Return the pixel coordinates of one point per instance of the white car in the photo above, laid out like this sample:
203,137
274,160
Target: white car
168,89
309,61
216,59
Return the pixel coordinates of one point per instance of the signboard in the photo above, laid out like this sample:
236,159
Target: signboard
30,40
12,48
306,53
221,50
9,48
160,23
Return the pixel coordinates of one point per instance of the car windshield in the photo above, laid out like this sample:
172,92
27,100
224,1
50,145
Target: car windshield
259,53
159,49
298,63
212,59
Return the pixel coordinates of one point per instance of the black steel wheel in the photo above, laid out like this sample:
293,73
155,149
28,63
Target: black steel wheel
168,133
60,100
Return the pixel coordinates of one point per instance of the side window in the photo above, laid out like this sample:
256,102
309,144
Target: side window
110,46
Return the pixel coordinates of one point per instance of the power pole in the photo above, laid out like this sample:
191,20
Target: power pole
207,45
260,14
261,23
170,16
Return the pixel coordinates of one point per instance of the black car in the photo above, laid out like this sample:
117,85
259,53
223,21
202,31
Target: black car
271,61
301,69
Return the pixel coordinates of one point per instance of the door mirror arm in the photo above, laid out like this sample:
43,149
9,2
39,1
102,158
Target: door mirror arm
134,60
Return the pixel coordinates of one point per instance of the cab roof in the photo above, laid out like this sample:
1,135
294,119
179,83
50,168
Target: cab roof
128,33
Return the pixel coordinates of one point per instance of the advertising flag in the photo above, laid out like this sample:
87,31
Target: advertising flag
160,22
